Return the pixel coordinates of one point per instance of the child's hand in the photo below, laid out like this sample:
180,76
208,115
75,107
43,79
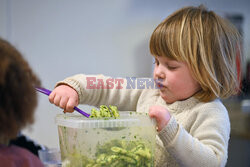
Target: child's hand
65,97
161,115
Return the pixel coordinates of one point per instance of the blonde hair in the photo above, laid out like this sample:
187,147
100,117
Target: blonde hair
207,43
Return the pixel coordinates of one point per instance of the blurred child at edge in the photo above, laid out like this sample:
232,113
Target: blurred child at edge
18,100
195,65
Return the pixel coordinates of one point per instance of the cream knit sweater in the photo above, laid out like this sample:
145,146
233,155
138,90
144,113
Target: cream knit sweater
196,136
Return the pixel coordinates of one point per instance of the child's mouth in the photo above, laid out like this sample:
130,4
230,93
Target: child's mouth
160,85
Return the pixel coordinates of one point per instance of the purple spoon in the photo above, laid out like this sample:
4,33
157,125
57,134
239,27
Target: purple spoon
47,92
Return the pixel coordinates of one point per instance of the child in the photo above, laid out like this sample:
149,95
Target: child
17,105
195,65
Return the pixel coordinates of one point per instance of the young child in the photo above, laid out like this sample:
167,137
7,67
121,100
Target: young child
195,65
17,105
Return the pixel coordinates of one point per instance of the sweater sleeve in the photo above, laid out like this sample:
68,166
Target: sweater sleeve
205,145
97,90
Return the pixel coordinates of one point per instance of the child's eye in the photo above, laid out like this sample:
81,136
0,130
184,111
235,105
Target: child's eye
172,67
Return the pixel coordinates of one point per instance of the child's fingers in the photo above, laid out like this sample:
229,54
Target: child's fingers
63,102
64,97
51,97
57,100
161,116
70,105
153,112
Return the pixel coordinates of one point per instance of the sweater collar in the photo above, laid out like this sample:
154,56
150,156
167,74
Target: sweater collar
179,106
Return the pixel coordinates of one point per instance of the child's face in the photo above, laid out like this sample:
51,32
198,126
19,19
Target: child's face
174,79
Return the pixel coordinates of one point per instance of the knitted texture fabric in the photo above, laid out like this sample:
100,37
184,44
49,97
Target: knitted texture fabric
196,135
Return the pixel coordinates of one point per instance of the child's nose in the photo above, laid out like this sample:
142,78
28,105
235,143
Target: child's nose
159,73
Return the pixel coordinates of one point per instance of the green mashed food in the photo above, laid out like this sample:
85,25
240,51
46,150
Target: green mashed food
116,153
105,112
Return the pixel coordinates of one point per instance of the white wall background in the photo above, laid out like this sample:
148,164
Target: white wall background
60,38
